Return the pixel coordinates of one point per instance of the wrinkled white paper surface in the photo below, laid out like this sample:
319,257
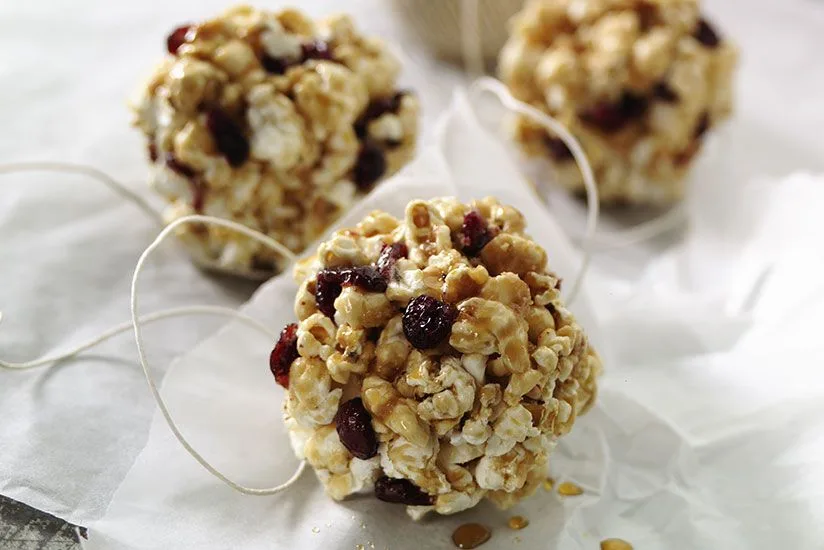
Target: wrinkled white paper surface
707,433
68,436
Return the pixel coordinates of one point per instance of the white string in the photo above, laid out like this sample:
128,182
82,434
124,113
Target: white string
145,320
89,171
496,87
261,238
644,231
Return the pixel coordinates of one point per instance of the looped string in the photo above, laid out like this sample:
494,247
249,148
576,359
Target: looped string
137,322
88,171
138,335
497,88
145,320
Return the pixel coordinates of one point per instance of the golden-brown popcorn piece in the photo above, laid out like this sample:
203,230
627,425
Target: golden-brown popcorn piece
312,401
453,369
508,252
275,121
396,412
638,83
483,326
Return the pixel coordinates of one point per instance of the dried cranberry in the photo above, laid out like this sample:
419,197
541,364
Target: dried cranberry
390,254
177,38
316,49
198,195
706,34
178,167
427,321
557,148
401,491
327,289
475,233
286,351
228,136
330,283
702,126
354,425
370,166
275,65
646,16
611,117
152,152
366,278
663,92
376,109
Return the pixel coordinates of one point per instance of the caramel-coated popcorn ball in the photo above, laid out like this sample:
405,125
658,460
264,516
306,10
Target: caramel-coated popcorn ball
275,121
638,82
433,361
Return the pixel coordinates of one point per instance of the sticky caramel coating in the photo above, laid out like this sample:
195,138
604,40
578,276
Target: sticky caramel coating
315,119
638,82
473,416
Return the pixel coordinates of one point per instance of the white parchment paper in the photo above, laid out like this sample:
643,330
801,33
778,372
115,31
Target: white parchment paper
67,247
707,433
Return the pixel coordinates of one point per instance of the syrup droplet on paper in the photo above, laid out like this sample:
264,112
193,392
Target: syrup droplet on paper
569,489
517,522
470,535
615,544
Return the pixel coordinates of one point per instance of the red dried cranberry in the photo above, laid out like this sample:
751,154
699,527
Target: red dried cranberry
354,426
663,92
557,148
475,233
611,117
390,254
376,109
370,166
366,278
427,321
285,352
327,289
178,167
152,152
198,195
276,65
316,49
401,491
228,136
177,38
702,126
706,34
330,283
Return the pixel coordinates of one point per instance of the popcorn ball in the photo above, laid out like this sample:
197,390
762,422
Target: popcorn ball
638,82
275,121
433,362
